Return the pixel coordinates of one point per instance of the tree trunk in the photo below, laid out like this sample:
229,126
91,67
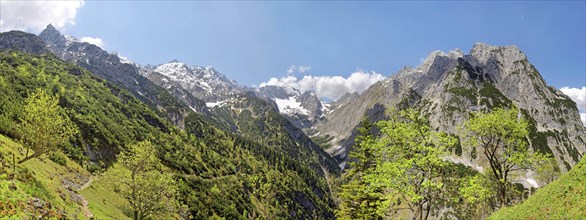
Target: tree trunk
428,210
504,193
419,212
27,158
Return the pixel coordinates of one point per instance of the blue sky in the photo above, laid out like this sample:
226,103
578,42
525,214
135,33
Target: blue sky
253,41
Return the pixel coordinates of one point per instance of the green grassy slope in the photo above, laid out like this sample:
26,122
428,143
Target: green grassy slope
53,184
564,198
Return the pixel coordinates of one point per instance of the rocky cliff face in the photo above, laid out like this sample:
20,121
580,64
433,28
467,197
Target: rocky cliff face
447,87
120,72
22,41
301,109
209,85
204,83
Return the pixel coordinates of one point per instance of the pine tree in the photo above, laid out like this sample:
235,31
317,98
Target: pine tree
357,201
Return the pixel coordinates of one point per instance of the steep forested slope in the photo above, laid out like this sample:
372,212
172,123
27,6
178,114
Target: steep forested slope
218,173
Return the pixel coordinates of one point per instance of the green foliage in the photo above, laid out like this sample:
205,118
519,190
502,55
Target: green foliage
44,124
356,200
323,140
139,179
564,198
58,158
106,117
501,138
255,178
548,170
36,180
411,163
492,97
477,195
468,93
241,166
403,169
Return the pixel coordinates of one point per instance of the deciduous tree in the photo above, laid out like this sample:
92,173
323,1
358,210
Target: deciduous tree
141,182
411,164
501,137
44,124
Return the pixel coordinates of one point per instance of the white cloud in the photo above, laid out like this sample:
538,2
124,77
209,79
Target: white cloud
332,87
298,69
579,97
35,15
93,40
304,69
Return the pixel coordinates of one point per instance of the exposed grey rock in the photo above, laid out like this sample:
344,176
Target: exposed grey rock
301,109
204,83
37,203
22,41
447,87
121,73
110,67
53,36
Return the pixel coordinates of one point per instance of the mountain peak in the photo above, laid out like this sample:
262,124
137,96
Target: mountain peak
50,27
52,36
482,52
211,68
50,30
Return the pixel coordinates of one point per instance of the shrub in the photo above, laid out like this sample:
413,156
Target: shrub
58,158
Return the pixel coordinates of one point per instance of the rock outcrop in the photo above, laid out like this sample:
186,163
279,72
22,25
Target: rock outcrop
448,86
112,68
22,41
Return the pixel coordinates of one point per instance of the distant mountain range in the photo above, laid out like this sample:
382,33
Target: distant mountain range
447,86
316,136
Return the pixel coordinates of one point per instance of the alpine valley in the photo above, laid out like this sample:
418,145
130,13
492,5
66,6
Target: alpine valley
273,152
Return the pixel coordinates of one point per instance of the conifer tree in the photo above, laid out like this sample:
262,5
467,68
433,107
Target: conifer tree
357,201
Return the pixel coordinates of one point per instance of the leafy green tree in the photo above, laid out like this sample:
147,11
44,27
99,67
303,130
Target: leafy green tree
44,124
500,136
412,164
548,170
357,200
141,182
476,196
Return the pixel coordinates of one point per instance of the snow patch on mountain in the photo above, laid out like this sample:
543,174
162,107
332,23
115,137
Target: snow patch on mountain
291,106
125,60
174,70
203,82
214,104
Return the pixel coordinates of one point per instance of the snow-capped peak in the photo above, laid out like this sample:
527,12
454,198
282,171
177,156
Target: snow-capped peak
203,82
70,39
174,70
